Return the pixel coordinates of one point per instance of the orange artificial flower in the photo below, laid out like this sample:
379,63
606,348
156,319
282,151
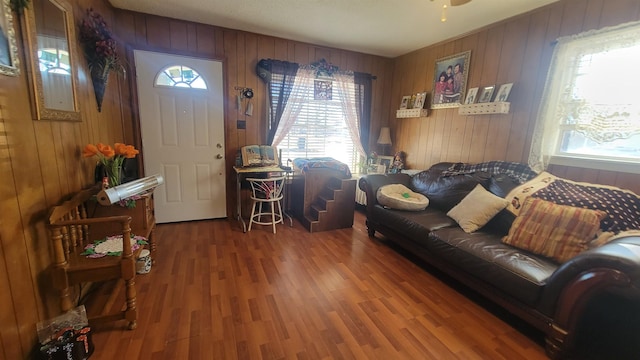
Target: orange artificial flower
111,158
89,150
106,150
128,151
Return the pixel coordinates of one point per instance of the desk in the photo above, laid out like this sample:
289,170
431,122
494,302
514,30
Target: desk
244,172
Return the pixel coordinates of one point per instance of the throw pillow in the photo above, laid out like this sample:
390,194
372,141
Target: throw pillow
400,197
559,232
476,209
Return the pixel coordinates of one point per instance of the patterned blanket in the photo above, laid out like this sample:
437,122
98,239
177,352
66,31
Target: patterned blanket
324,162
622,206
517,171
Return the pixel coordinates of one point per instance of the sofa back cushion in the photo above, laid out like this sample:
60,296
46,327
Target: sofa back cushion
445,192
501,185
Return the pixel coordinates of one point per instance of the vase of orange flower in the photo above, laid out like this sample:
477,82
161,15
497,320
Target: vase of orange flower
111,158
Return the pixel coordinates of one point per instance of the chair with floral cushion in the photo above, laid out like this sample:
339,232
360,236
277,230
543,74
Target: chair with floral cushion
81,255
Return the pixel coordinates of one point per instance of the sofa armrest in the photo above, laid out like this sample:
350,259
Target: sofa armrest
372,182
621,256
613,268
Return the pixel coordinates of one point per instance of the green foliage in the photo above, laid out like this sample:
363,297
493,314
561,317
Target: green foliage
19,5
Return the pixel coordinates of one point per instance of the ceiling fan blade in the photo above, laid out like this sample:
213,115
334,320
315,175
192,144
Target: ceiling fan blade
459,2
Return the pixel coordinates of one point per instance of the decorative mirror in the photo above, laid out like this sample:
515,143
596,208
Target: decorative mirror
51,59
8,49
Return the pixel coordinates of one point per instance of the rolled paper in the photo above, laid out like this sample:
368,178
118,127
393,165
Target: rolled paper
126,190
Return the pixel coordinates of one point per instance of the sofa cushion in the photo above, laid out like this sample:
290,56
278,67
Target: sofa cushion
414,225
556,231
445,192
521,274
400,197
476,209
501,185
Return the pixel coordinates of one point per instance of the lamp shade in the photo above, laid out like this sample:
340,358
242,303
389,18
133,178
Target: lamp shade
385,136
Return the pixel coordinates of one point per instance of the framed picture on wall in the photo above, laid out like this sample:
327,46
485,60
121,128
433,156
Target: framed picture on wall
450,80
486,93
404,104
472,95
420,98
503,92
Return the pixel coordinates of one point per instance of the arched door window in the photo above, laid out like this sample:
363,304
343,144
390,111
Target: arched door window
180,76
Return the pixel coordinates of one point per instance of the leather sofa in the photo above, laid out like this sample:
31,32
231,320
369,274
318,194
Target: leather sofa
569,302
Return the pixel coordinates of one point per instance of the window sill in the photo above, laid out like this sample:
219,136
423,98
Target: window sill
598,164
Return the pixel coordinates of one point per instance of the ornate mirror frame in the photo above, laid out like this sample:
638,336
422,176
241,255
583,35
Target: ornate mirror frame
51,60
9,61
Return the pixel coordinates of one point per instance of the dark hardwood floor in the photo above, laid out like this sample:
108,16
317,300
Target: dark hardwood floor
216,293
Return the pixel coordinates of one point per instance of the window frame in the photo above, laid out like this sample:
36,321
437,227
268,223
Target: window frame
552,126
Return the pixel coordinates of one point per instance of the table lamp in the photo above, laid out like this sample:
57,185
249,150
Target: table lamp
384,139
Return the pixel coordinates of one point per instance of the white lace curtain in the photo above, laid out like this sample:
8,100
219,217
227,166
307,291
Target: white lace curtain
591,88
343,82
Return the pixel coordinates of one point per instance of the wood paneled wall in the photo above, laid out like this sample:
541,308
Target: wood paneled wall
240,51
517,50
41,163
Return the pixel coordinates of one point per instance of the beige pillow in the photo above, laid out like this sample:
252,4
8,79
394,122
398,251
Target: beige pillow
476,209
556,231
400,197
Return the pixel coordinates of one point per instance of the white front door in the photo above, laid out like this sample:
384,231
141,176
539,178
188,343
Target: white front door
180,100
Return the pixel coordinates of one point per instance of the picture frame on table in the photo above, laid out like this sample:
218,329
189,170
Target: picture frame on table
376,169
420,99
472,96
450,80
385,161
503,92
9,60
404,104
486,94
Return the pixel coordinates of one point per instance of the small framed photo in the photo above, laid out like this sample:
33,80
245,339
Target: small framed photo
503,92
486,93
404,104
420,99
376,169
472,95
385,161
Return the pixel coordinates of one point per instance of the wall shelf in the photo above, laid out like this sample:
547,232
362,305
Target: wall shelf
485,108
411,113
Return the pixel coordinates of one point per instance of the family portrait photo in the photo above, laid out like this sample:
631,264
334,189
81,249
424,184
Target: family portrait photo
450,80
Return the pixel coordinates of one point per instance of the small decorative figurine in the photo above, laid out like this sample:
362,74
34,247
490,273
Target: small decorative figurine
398,162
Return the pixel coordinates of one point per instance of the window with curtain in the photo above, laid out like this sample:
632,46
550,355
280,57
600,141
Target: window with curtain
317,110
590,111
320,128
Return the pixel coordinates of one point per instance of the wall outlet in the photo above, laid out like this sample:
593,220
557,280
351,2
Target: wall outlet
242,124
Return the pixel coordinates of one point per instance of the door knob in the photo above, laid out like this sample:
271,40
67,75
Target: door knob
218,156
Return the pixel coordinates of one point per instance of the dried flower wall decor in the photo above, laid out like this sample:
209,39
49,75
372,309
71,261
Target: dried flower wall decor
100,50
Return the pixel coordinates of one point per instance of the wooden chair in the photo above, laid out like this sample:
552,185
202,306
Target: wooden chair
71,231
